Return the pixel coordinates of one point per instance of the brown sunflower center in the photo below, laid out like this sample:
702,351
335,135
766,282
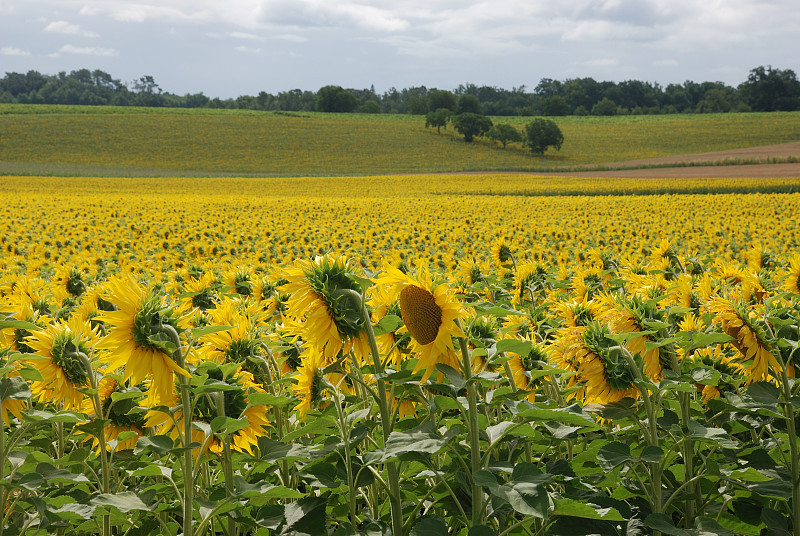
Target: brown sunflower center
421,315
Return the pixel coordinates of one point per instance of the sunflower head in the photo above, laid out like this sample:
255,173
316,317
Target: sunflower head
502,256
321,299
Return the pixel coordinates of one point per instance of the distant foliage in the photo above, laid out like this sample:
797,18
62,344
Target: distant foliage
766,89
471,125
541,134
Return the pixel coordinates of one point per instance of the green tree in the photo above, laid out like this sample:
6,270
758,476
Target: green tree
768,90
541,134
504,133
606,106
438,119
335,99
370,107
440,98
469,104
555,105
471,125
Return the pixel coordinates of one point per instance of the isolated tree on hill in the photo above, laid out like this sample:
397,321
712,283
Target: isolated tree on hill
438,119
335,99
541,134
504,133
471,125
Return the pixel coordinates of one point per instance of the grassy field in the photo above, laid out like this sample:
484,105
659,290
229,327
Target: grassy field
108,141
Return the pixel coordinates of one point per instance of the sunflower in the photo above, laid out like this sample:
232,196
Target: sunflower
522,365
120,414
791,276
13,405
62,347
199,293
717,360
309,383
392,344
502,257
748,339
331,319
529,279
429,312
236,406
134,327
629,316
606,373
471,271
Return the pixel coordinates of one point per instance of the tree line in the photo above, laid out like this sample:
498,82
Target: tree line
766,89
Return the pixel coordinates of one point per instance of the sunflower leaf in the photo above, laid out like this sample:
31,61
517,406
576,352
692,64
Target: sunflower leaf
19,324
388,324
15,388
195,333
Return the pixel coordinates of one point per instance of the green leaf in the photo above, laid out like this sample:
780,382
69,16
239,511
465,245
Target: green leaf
664,524
388,324
306,516
704,340
705,375
15,388
423,440
36,415
159,444
481,530
429,526
573,508
613,454
706,526
714,435
514,345
228,425
19,324
312,428
124,501
764,393
207,330
30,373
525,497
214,386
269,400
50,472
272,450
573,414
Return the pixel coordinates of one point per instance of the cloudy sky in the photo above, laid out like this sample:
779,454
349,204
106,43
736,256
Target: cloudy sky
227,48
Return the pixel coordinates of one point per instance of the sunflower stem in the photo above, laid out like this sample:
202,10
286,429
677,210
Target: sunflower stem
652,439
186,408
473,427
384,406
227,462
788,411
101,436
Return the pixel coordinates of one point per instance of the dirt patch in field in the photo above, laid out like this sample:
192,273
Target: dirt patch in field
763,153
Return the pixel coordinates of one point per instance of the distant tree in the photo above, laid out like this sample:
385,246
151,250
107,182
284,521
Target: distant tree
438,119
469,104
504,133
541,134
471,125
555,106
370,107
439,98
417,105
768,90
335,99
715,101
606,106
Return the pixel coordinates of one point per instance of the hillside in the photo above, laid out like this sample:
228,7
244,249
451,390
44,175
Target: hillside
108,141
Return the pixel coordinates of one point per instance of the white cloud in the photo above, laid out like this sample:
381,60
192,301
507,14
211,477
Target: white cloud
87,51
66,28
13,51
243,35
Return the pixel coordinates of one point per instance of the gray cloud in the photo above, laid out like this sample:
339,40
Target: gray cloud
207,45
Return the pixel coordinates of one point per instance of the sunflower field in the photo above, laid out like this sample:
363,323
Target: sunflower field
427,355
